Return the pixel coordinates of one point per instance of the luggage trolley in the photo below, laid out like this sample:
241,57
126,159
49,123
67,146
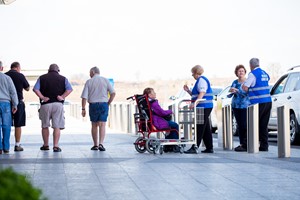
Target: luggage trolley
188,118
144,127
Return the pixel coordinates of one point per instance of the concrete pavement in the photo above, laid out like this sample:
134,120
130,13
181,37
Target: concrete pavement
122,173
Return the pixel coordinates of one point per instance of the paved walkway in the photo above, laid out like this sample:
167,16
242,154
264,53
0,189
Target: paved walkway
122,173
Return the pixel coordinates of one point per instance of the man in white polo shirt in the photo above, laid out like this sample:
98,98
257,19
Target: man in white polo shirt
95,92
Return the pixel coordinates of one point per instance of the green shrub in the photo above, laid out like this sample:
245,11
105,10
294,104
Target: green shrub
14,186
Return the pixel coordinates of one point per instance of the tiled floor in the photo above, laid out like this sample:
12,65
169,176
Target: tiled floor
122,173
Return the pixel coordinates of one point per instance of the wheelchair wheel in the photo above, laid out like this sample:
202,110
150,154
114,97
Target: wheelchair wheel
140,145
161,150
181,149
152,145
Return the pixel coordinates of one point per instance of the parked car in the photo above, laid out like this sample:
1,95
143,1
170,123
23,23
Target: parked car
286,91
182,94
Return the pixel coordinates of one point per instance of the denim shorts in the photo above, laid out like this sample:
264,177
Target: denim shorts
98,112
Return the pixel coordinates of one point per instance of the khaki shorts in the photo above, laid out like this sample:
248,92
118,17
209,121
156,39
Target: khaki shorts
55,113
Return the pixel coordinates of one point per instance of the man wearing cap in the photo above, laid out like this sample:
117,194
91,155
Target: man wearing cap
257,84
19,118
8,105
52,89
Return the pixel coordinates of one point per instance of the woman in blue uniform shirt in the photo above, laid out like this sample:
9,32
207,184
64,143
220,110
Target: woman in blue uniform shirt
202,90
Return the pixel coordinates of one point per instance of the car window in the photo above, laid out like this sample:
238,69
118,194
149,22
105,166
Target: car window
279,86
223,94
216,91
297,87
293,83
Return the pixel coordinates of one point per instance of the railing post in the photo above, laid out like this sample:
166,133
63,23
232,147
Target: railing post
283,128
252,129
123,117
131,124
115,118
227,127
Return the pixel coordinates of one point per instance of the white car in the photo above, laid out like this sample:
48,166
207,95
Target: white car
286,91
182,94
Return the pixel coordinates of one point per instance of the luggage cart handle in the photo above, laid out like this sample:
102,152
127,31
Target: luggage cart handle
131,97
197,102
190,101
184,101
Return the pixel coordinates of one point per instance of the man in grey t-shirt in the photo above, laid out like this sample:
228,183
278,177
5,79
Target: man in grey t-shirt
99,93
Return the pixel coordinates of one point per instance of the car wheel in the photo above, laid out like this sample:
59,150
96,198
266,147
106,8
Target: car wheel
294,129
235,131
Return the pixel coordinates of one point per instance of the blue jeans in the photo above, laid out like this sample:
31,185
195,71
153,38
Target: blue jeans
5,125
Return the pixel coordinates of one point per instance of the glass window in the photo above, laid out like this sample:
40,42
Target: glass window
223,94
216,91
279,85
293,83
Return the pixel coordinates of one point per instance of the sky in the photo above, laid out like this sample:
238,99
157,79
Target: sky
137,40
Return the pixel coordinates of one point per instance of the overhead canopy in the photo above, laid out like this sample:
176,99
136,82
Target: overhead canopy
6,1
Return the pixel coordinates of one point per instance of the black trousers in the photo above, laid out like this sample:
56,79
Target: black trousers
264,116
241,119
204,130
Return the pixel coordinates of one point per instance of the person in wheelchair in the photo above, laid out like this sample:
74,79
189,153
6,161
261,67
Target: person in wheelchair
162,119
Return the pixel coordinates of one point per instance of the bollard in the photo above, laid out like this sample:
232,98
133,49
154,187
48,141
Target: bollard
252,129
227,127
283,129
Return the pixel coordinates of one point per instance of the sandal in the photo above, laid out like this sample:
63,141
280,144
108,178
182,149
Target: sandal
101,147
95,148
56,149
44,148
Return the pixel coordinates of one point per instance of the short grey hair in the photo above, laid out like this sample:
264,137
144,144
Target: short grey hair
254,62
197,69
95,70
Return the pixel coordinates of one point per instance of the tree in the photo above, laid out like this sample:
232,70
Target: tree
16,186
